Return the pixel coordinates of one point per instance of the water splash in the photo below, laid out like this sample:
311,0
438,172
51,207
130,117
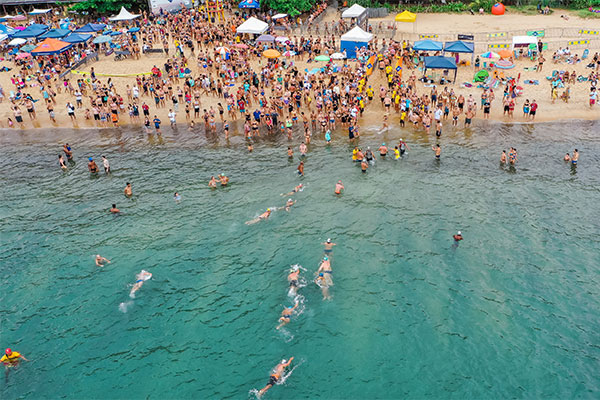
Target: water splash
123,307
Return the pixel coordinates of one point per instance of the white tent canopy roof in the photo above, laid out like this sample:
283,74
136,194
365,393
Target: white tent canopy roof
124,15
253,25
354,11
278,16
357,34
37,11
524,40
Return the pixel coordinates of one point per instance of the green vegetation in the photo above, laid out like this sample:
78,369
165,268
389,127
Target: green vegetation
587,14
292,8
105,7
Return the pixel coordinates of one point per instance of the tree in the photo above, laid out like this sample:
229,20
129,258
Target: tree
105,7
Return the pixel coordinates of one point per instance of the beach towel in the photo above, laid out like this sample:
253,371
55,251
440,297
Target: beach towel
531,82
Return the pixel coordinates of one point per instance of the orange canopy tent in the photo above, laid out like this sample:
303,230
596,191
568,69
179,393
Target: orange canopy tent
51,46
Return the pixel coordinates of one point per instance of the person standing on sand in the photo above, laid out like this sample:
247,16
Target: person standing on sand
533,109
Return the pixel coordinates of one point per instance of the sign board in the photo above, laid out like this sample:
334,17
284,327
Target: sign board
536,33
587,32
499,46
466,37
497,34
168,5
428,36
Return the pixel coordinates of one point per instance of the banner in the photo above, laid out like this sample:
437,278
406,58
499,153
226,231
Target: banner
466,37
536,33
586,32
578,42
428,36
370,65
497,34
398,66
499,46
77,72
168,5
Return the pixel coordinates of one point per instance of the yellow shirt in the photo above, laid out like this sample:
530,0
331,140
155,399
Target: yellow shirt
388,69
13,358
403,115
397,153
354,154
370,92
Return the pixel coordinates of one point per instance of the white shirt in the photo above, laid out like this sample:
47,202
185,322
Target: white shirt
438,114
172,116
105,162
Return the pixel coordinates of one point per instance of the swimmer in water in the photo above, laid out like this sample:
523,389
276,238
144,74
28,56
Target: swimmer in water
61,162
339,187
438,151
292,278
128,191
320,281
177,197
224,180
263,216
212,183
92,166
289,204
364,165
286,314
290,152
328,246
301,168
567,157
275,375
11,359
101,260
114,209
503,159
458,237
575,157
68,152
297,189
142,277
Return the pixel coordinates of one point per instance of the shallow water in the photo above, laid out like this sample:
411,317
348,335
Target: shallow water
511,312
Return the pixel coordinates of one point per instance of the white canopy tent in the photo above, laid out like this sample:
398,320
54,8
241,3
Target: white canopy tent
253,25
37,11
124,15
279,16
523,41
354,12
357,34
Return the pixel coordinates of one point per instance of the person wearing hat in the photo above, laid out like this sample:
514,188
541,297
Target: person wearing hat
458,237
276,375
328,246
289,204
286,314
92,165
11,359
383,150
224,180
262,216
339,187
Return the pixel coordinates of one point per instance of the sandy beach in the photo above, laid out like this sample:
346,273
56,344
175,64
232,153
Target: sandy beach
450,24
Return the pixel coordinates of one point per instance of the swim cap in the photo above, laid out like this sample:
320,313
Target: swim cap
290,199
339,181
459,232
321,274
328,240
268,209
383,144
8,351
325,258
400,139
91,159
283,361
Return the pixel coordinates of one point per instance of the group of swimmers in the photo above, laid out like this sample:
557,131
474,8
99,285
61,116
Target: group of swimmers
142,277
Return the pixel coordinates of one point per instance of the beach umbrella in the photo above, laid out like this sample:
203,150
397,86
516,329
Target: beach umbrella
27,48
271,53
282,39
322,58
289,53
222,50
504,64
505,53
134,29
490,54
338,56
241,46
265,38
21,56
19,17
3,37
17,42
115,33
102,39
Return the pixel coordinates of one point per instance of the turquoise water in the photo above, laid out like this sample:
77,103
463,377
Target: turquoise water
512,312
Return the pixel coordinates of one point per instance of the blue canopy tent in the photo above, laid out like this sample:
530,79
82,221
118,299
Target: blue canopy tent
90,28
7,29
353,39
440,62
77,38
249,4
460,47
29,32
55,34
428,45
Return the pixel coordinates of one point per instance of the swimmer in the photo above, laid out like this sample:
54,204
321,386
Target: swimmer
301,168
325,269
303,149
567,157
364,165
320,281
177,197
101,260
114,209
503,157
575,157
289,204
128,192
275,375
106,164
224,180
297,189
458,237
263,216
328,246
142,277
11,359
250,147
383,150
61,162
68,152
212,183
92,165
290,152
369,155
339,187
438,151
292,278
286,313
328,136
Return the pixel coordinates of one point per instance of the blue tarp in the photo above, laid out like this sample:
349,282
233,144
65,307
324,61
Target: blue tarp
88,28
39,26
249,4
351,47
459,47
55,33
439,62
428,45
7,29
29,33
77,38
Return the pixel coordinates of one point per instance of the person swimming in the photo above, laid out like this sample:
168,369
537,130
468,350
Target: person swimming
177,197
276,375
142,277
297,189
286,315
458,237
263,216
339,187
328,246
322,283
101,260
293,279
289,204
